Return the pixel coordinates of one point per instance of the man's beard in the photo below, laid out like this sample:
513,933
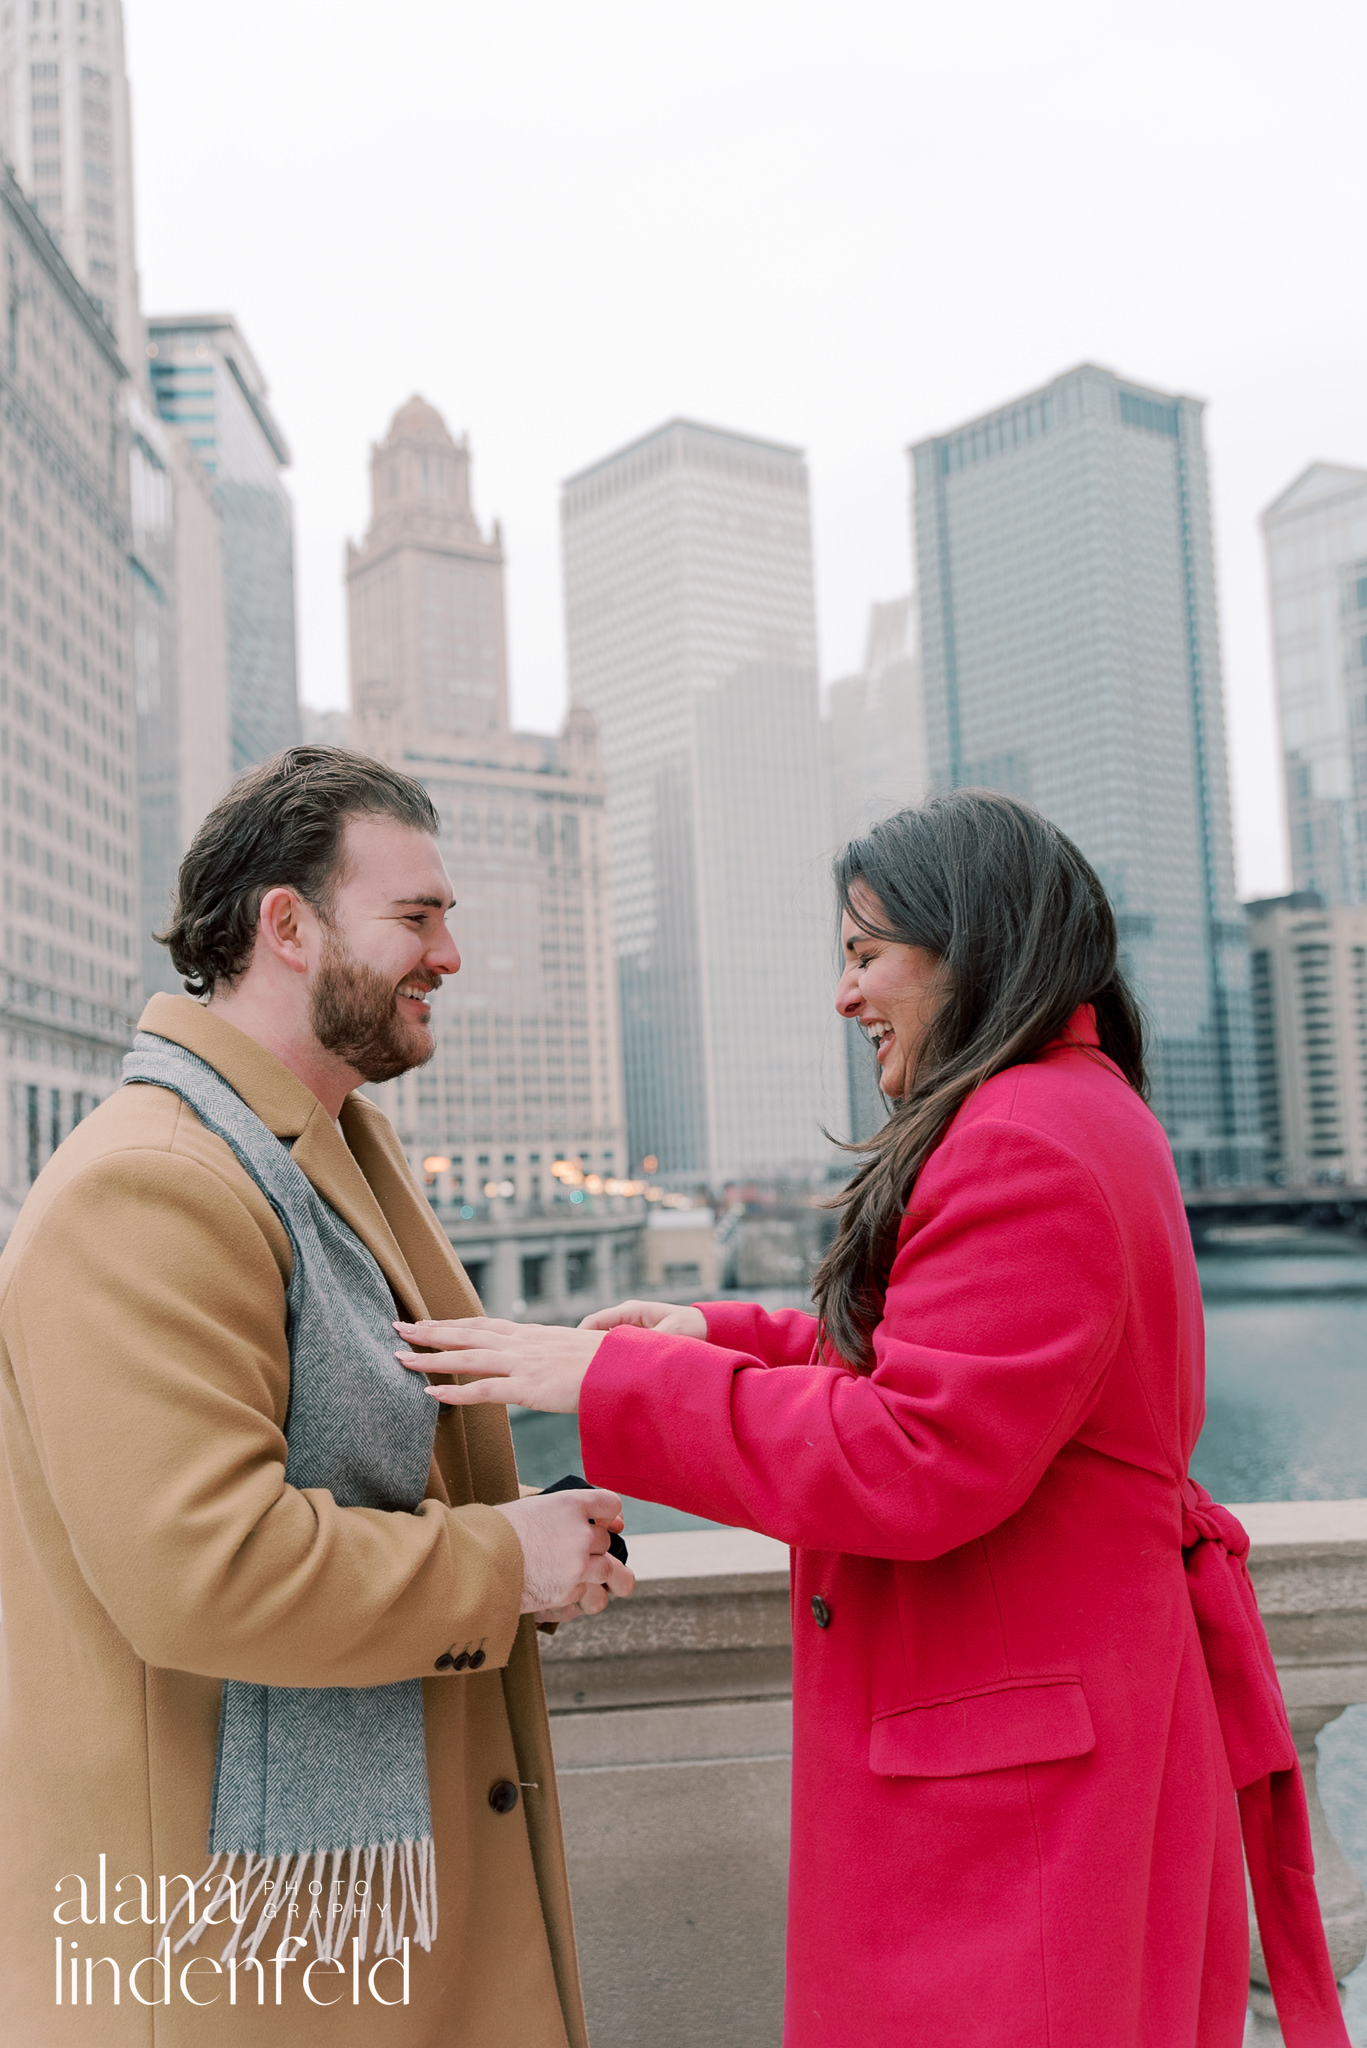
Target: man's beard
354,1011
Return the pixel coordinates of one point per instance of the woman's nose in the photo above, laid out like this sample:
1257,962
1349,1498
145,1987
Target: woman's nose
847,996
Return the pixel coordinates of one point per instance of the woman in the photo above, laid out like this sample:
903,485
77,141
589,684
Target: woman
1014,1809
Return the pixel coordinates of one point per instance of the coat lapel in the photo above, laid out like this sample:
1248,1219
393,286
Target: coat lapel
323,1154
439,1275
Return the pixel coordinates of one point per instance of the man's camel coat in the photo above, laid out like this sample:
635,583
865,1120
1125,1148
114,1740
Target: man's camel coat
150,1548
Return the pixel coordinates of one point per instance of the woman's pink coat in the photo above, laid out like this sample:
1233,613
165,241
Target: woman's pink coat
1013,1819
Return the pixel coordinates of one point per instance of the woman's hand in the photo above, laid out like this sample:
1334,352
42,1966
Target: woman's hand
650,1315
527,1365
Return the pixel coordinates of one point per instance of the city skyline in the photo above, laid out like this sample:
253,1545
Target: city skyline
827,271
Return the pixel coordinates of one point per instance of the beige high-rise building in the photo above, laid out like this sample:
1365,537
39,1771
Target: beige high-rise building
528,1065
66,129
1309,983
68,775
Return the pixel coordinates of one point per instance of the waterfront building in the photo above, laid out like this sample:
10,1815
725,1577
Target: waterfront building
692,640
1070,657
68,779
207,383
527,1071
1309,978
65,128
1315,534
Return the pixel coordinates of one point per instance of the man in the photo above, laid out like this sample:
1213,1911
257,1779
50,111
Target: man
253,1589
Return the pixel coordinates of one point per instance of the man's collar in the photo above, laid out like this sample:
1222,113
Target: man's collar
284,1103
289,1108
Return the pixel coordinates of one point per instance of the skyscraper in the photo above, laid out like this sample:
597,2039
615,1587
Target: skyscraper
875,733
65,127
692,640
1070,657
528,1062
207,383
68,790
1316,539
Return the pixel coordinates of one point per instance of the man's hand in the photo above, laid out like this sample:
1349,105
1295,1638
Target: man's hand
566,1569
665,1316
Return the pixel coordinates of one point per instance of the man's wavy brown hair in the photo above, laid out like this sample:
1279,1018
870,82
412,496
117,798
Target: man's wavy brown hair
281,825
1024,933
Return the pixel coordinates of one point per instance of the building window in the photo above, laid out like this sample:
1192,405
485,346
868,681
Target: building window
579,1271
33,1133
534,1277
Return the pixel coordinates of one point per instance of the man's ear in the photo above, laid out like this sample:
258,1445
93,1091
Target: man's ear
284,923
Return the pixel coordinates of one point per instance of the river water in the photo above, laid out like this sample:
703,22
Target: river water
1286,1419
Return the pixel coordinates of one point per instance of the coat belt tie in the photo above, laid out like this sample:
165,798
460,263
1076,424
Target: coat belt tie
1266,1771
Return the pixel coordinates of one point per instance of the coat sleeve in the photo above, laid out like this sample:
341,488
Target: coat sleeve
788,1338
1004,1307
146,1327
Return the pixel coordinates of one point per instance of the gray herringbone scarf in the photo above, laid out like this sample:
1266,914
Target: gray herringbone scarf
332,1776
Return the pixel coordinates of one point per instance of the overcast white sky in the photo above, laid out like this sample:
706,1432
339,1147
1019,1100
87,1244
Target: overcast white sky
841,226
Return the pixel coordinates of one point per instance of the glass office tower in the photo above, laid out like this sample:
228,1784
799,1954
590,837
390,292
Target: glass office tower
1070,657
207,382
692,640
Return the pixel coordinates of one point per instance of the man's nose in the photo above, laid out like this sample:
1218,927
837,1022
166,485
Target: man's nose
444,956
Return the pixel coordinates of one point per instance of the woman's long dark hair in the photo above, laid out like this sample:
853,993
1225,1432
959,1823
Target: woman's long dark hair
1024,932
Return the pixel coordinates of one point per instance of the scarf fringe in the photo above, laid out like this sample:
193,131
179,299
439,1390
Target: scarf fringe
407,1873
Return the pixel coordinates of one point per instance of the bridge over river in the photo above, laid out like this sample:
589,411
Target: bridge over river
1321,1207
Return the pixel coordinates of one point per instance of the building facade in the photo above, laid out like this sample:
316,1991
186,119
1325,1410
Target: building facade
528,1064
65,128
1309,974
208,385
68,775
692,641
1315,535
1070,657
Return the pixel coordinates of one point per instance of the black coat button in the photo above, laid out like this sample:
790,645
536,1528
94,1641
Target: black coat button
821,1613
476,1659
445,1662
460,1663
503,1795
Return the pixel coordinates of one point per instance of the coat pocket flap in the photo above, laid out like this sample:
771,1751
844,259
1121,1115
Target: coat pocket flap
1025,1721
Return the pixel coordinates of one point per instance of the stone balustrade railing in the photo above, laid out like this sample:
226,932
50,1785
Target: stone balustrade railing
671,1718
